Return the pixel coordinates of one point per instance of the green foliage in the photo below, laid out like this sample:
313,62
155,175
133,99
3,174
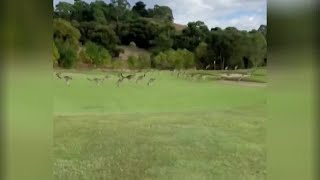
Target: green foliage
174,59
163,42
111,24
84,57
102,35
139,62
201,54
97,54
82,11
191,36
119,64
145,61
133,62
140,9
64,32
140,31
64,10
68,55
162,13
56,54
258,49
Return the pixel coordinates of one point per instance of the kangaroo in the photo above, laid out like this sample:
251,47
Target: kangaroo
107,77
98,81
67,79
150,82
119,81
129,77
140,78
58,74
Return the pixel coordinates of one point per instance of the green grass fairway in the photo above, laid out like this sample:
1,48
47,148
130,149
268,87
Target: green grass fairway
176,129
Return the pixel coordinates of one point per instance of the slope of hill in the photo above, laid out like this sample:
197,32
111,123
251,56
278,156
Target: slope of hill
179,27
132,51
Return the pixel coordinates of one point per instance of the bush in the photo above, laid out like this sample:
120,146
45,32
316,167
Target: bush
145,61
140,62
97,54
133,62
119,64
171,59
68,55
83,57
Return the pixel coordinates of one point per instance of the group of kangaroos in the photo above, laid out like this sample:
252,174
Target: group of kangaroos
99,81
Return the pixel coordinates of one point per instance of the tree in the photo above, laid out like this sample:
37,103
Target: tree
120,7
163,13
64,32
99,9
140,31
191,36
163,42
220,47
82,11
201,53
257,51
140,9
64,10
102,35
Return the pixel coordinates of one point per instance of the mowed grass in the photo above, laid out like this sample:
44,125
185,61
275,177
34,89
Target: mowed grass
175,129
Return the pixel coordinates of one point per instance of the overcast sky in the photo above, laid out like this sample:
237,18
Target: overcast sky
242,14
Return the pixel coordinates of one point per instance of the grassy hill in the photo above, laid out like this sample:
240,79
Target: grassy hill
132,51
179,27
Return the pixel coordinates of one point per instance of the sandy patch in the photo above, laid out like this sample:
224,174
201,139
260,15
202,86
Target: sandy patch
243,83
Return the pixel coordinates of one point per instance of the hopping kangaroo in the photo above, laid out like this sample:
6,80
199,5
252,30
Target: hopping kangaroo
67,79
150,82
140,78
98,81
129,77
120,80
58,74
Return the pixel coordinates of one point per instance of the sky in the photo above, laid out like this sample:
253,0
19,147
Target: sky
242,14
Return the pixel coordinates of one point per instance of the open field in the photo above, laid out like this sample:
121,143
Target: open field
177,128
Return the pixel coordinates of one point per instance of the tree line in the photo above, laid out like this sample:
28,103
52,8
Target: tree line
91,33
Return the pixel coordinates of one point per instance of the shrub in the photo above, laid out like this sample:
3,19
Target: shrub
140,62
133,62
97,54
68,55
119,64
188,60
145,61
171,59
